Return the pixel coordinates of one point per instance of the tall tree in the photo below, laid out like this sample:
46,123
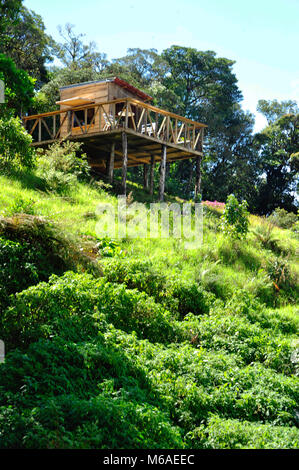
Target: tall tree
140,66
9,11
28,45
19,87
48,95
273,110
73,52
231,164
205,84
278,146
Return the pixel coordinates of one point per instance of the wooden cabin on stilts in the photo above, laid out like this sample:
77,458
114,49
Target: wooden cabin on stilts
119,128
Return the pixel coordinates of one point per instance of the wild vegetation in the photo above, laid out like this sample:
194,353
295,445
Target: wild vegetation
142,343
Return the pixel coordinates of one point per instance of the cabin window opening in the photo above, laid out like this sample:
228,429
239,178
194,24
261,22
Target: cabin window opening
120,112
80,114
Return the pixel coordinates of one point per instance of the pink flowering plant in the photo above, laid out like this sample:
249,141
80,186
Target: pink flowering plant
214,204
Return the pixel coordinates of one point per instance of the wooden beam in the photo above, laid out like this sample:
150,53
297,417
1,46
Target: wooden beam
111,163
125,162
162,173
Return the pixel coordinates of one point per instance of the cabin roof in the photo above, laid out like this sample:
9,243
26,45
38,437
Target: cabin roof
117,81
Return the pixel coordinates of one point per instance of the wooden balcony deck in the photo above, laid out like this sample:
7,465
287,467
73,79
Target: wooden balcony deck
100,127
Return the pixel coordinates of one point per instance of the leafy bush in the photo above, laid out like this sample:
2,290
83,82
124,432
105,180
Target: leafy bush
235,218
176,295
33,313
31,250
234,434
189,296
24,264
15,143
19,87
223,330
82,398
21,205
109,248
60,166
283,218
136,274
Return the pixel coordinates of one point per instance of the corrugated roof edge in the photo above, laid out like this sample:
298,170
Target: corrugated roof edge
86,83
116,80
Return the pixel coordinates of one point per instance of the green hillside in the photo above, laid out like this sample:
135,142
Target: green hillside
142,343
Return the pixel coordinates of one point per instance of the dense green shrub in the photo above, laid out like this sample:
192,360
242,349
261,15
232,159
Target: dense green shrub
15,143
61,166
24,264
53,390
69,403
187,297
135,274
19,87
176,295
235,218
31,250
283,218
234,434
75,298
234,334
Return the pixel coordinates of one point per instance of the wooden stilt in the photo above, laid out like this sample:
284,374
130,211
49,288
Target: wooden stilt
111,163
197,179
145,176
125,162
189,183
152,174
162,173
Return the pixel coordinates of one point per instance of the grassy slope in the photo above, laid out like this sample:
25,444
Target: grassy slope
221,376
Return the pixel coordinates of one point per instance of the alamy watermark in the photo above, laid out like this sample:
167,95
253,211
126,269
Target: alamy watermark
160,220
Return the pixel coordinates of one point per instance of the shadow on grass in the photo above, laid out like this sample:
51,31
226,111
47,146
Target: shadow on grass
27,178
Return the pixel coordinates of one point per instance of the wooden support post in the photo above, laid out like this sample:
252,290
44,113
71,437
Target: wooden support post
69,122
111,164
197,180
189,183
39,130
152,174
162,173
125,162
145,176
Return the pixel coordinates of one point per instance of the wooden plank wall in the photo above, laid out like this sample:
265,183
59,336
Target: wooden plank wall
95,91
115,92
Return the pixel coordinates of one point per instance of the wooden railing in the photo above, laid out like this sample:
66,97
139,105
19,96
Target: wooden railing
126,113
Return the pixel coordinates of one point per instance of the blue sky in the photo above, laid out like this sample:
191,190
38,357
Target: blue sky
262,36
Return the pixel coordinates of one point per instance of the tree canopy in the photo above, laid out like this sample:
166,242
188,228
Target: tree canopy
28,45
19,86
